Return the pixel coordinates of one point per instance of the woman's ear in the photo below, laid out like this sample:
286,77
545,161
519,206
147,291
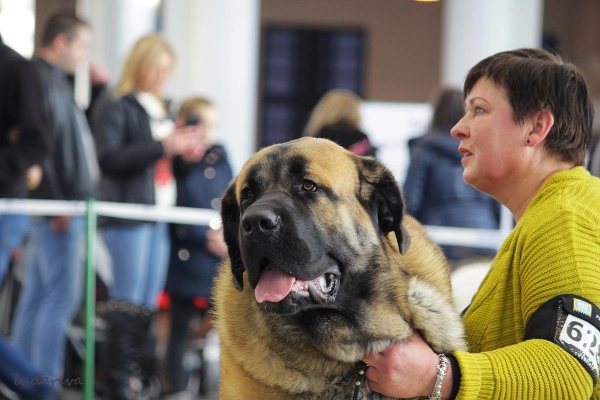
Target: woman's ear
542,121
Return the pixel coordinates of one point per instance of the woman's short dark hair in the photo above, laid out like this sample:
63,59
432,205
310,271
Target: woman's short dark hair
536,80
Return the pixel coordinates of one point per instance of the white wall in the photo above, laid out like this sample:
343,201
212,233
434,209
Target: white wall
475,29
17,25
217,44
117,25
390,126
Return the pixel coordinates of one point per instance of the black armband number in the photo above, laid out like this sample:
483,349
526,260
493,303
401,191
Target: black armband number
573,323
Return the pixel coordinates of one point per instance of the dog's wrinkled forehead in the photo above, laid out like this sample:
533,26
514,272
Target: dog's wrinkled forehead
317,160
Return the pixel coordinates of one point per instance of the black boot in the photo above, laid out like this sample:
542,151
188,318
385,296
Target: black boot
129,374
148,360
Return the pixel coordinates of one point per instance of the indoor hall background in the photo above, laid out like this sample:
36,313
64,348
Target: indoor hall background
402,45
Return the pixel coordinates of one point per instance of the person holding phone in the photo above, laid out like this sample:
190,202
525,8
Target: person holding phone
202,179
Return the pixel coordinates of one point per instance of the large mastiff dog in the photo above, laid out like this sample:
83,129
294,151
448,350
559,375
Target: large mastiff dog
323,268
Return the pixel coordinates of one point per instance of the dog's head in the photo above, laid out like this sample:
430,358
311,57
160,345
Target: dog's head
302,217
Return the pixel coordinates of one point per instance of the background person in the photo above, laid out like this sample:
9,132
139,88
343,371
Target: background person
530,326
337,117
136,139
24,144
52,286
195,250
434,190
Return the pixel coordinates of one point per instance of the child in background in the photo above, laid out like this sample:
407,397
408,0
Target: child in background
202,179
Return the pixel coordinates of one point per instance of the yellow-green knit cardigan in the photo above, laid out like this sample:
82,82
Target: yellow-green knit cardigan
553,250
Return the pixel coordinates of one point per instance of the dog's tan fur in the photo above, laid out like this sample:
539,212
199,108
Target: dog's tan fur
266,356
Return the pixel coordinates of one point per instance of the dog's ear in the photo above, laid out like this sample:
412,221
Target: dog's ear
230,214
381,194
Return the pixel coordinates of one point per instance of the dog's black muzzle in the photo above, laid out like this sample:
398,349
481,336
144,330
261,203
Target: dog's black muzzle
279,232
276,230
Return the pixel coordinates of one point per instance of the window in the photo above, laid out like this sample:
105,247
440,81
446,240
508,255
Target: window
298,67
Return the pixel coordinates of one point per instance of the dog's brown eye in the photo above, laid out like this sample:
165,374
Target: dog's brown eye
247,193
309,186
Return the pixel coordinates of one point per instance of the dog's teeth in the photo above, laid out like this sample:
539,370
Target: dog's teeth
323,283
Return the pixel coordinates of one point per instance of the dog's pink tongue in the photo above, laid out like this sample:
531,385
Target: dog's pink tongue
273,285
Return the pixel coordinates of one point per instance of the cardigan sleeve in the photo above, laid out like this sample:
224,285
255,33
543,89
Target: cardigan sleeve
558,254
534,369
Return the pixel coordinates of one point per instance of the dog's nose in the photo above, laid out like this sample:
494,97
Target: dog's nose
263,222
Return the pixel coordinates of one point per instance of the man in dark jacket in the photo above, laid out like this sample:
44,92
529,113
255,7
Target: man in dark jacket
24,143
53,270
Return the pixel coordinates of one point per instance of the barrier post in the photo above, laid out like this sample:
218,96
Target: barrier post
90,302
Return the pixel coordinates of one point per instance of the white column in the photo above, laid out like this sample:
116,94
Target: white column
475,29
117,25
217,47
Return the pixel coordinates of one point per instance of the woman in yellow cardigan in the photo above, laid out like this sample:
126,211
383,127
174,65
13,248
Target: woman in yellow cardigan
533,327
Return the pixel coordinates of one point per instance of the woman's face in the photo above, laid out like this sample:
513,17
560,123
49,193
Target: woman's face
492,144
153,78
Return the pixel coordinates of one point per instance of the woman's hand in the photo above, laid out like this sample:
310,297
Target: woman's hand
33,176
60,224
406,370
183,140
216,243
196,152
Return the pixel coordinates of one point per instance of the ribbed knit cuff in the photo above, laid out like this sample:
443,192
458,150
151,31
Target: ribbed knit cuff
477,379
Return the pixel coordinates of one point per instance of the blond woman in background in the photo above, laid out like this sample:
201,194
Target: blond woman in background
136,139
337,117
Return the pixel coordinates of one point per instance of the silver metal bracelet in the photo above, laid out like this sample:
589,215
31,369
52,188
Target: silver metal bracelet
441,370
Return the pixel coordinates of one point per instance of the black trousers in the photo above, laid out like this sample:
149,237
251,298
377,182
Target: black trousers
183,312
